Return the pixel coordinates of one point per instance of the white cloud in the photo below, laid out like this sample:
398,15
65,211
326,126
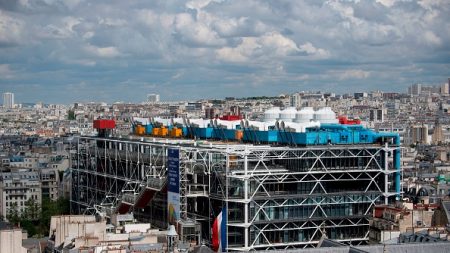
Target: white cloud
431,39
208,41
430,4
349,74
233,54
317,53
196,33
104,52
237,27
177,75
270,45
281,45
11,30
72,3
197,4
88,35
112,22
387,3
63,30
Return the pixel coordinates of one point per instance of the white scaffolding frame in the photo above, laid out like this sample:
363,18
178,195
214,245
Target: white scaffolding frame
114,174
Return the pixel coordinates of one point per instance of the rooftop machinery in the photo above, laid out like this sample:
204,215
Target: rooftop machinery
286,127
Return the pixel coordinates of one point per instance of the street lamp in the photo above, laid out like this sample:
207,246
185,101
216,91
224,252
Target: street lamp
171,238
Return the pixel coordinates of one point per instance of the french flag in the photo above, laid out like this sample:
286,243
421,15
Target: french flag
219,232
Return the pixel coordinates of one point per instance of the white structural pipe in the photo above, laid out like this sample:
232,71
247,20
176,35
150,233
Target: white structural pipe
258,125
298,127
228,124
202,123
143,121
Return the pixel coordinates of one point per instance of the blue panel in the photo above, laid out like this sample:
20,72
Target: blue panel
173,170
185,131
272,136
223,230
203,133
397,167
148,129
230,134
173,179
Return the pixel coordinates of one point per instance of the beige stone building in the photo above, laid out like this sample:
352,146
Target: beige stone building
84,232
16,188
11,241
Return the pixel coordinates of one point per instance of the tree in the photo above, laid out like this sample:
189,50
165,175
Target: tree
13,214
63,205
32,210
35,219
30,227
51,208
71,115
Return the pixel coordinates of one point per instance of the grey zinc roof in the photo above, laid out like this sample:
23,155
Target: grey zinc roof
438,247
446,205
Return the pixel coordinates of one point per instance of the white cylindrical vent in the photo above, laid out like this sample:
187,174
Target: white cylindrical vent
305,115
288,114
272,114
325,115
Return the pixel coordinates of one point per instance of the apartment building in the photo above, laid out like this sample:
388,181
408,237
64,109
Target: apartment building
16,187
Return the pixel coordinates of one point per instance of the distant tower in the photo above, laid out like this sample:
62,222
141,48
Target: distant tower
210,113
153,98
419,134
376,115
295,100
8,100
415,89
235,110
445,87
438,135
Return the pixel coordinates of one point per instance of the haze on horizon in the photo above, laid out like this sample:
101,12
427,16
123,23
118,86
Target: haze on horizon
111,50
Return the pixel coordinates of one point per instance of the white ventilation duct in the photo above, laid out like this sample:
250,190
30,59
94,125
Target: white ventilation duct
297,127
198,123
142,121
260,126
228,124
178,121
164,122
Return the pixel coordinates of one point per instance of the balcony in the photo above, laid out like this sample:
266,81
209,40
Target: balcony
197,190
155,183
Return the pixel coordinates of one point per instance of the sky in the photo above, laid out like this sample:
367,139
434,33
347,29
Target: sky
65,51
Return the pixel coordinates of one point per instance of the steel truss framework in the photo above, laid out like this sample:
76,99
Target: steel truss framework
276,197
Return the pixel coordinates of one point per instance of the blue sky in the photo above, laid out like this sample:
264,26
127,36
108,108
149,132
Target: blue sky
59,51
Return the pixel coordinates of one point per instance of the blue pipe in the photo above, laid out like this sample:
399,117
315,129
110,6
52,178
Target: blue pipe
397,166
